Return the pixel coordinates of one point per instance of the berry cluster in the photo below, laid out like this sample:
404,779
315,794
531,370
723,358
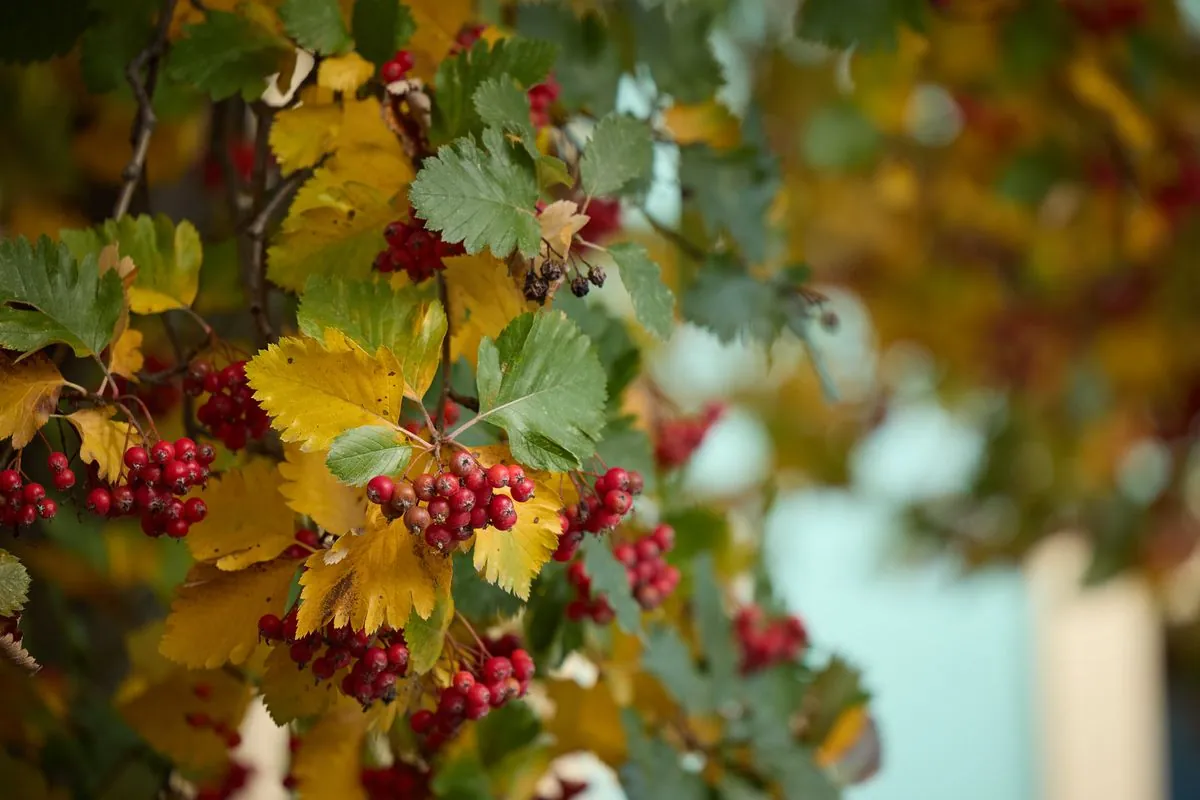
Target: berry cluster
157,480
414,249
232,782
396,67
375,661
468,36
651,579
400,781
767,642
678,438
541,98
450,506
566,790
471,695
307,541
22,503
600,512
1106,17
159,396
230,412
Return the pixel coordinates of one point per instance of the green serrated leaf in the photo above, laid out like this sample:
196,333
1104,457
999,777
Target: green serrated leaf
360,454
677,52
316,25
732,303
551,172
542,383
713,627
41,30
733,191
616,349
167,256
70,301
479,197
501,104
227,54
772,697
461,778
478,599
588,69
425,637
610,579
653,302
506,730
667,657
14,584
381,27
865,24
620,153
732,787
698,531
655,771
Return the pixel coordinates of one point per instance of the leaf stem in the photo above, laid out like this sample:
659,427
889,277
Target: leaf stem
471,629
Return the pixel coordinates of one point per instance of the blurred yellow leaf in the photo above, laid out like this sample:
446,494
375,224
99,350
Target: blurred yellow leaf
125,355
290,693
315,393
214,618
29,392
379,576
329,760
482,299
248,519
301,135
311,490
438,23
1096,87
586,719
708,123
101,147
344,73
104,440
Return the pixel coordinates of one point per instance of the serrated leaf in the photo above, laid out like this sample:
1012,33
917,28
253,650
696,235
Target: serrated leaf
103,440
248,520
589,66
477,599
501,104
542,383
29,392
552,172
301,135
425,637
14,584
125,356
836,688
864,24
71,302
316,392
374,315
653,302
316,25
214,617
345,74
479,197
733,191
381,27
609,578
667,657
714,629
619,153
359,454
506,730
290,693
438,25
618,354
167,257
677,51
382,575
329,762
482,300
311,490
772,698
226,54
657,771
732,303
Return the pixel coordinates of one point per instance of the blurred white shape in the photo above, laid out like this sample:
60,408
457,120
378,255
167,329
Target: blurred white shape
695,367
1144,470
932,116
734,458
1189,13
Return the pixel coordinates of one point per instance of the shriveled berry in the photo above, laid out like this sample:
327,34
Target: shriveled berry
64,480
136,458
58,462
380,489
99,501
497,475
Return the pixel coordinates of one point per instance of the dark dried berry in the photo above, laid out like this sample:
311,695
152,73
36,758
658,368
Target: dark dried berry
596,276
579,286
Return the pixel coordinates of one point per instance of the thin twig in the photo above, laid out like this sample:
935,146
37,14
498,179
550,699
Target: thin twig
142,74
444,297
466,401
254,265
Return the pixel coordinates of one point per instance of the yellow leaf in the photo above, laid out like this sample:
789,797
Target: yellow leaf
560,221
344,73
125,355
709,123
248,520
365,580
301,135
159,715
1094,86
586,719
290,693
214,618
438,23
511,559
173,278
311,490
329,761
482,299
316,393
29,392
104,439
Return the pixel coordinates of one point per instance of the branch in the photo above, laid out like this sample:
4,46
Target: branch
443,296
466,401
254,265
143,85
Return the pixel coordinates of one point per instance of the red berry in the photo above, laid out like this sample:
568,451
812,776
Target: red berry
195,510
301,652
477,711
462,681
151,475
270,627
122,499
647,549
463,464
296,551
205,454
397,67
136,458
203,690
177,528
476,480
479,517
323,668
478,695
173,509
99,501
309,539
500,506
421,720
577,610
380,489
47,508
64,480
496,694
438,537
636,482
664,537
10,481
577,576
439,509
522,490
618,501
58,462
162,452
375,659
397,656
497,476
497,668
198,719
33,492
625,553
523,667
27,515
423,486
451,704
383,683
459,520
617,478
175,474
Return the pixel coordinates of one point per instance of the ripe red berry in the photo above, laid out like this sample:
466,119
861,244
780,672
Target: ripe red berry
647,549
500,506
523,666
270,627
162,452
185,449
496,694
397,656
625,553
462,681
301,652
375,659
205,454
176,528
462,500
383,683
438,537
421,721
446,484
497,476
58,462
122,499
64,480
174,475
99,501
198,719
195,510
462,464
617,478
380,489
522,490
496,668
476,711
27,515
33,492
323,668
618,501
136,458
451,704
478,695
476,480
664,537
47,508
396,67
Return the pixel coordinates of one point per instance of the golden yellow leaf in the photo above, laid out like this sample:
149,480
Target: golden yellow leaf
708,123
329,760
311,490
344,73
248,519
511,559
560,221
315,393
1096,87
290,693
482,299
379,576
125,355
159,714
301,135
104,439
586,719
29,392
438,23
214,618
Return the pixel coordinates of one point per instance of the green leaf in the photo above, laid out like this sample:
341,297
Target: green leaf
425,637
39,31
653,302
625,443
479,197
381,27
525,61
732,787
772,697
541,382
655,772
119,34
461,778
610,579
14,584
840,137
619,153
71,302
699,530
501,104
667,657
865,24
732,303
713,627
548,636
552,172
588,69
618,354
167,256
506,730
836,688
676,50
360,454
316,25
226,54
478,599
733,191
1030,175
